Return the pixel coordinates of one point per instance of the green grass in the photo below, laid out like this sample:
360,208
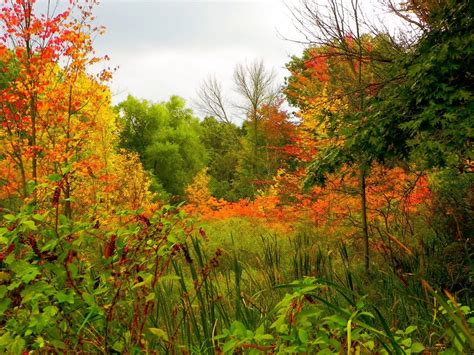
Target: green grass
256,260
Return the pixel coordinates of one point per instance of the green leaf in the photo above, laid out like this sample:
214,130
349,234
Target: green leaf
40,342
24,270
5,339
3,291
410,329
17,346
65,298
417,348
9,217
303,336
51,311
54,177
39,217
406,342
150,297
58,344
230,345
90,300
369,344
4,304
118,346
30,224
263,337
260,330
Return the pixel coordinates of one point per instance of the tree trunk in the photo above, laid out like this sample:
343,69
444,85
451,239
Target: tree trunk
365,231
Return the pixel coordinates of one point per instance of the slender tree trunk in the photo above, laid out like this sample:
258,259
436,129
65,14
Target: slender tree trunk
363,170
67,184
365,231
27,8
33,140
255,147
67,203
23,180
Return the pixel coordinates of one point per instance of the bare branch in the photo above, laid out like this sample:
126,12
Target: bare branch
211,100
256,85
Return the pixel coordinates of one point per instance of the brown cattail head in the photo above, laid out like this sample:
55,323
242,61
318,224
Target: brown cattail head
56,195
203,233
110,247
144,220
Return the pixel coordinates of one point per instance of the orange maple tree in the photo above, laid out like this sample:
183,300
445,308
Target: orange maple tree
57,125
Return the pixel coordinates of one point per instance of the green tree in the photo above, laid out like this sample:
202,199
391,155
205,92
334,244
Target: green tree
426,116
274,131
412,104
167,137
221,140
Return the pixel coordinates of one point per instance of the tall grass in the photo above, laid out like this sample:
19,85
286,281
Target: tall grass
207,289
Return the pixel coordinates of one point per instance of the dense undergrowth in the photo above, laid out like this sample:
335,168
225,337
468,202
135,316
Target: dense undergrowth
162,284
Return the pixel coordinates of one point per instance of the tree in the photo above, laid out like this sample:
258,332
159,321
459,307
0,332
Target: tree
255,86
166,137
343,61
425,117
274,132
212,101
219,139
48,99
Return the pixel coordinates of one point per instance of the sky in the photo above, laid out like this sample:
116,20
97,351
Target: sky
164,48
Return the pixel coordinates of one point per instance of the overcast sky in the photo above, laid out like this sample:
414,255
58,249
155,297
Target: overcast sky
165,48
168,47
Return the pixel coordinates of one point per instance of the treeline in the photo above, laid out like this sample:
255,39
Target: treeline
175,145
240,160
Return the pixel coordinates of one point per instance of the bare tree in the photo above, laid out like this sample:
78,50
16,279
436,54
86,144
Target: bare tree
413,12
327,22
256,85
211,100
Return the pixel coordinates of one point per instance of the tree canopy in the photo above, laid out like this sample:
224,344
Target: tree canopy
167,138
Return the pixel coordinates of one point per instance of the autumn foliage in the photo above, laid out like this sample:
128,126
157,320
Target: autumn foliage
57,121
104,209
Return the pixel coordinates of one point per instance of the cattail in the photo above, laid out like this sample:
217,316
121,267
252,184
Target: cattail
176,248
186,254
203,233
110,247
144,220
56,195
159,227
34,245
123,258
70,257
